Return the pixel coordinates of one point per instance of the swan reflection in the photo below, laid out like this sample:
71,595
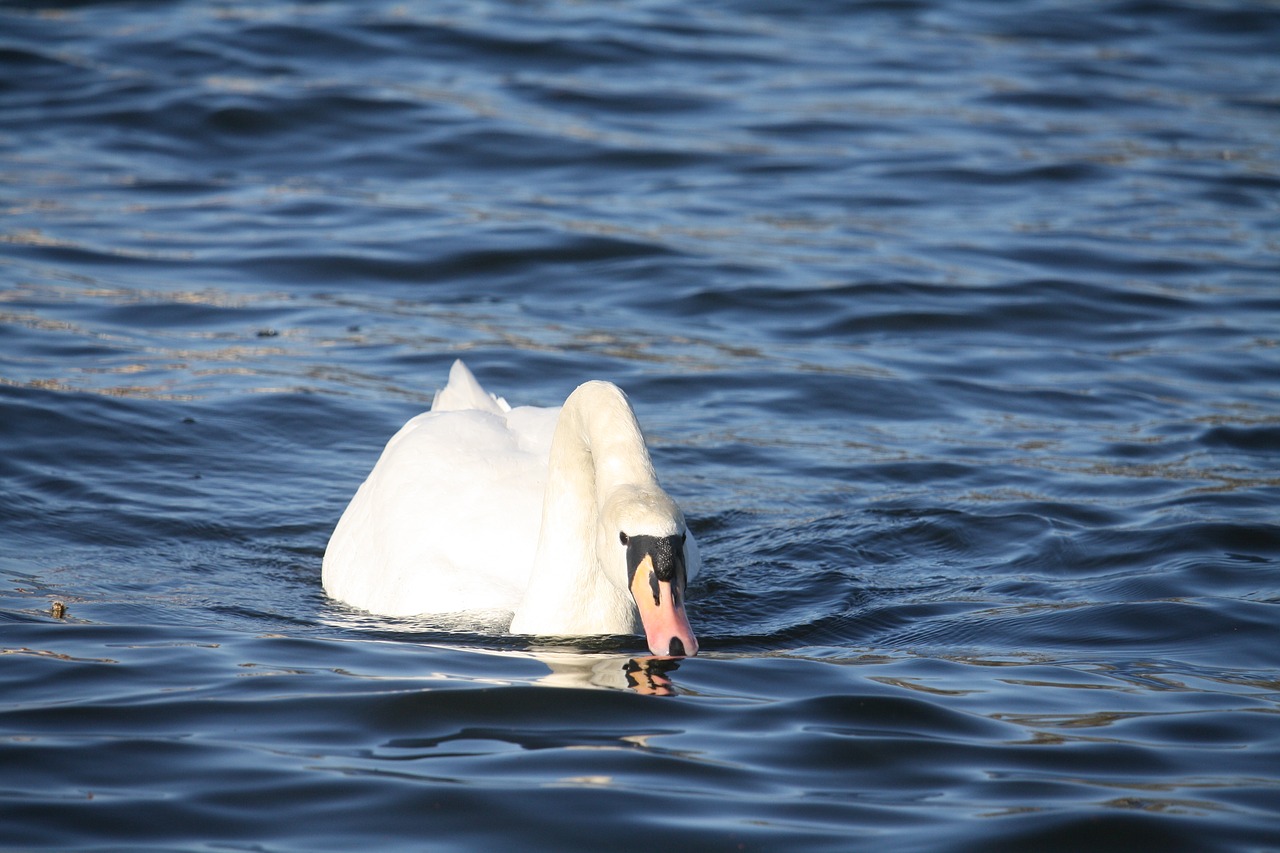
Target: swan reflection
649,675
567,664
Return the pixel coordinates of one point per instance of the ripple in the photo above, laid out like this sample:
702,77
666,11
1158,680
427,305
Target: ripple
954,333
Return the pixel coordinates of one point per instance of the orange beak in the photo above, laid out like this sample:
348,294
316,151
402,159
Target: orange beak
656,567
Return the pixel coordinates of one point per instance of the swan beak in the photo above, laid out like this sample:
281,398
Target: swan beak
657,578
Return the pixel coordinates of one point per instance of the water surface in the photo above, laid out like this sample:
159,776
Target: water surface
953,326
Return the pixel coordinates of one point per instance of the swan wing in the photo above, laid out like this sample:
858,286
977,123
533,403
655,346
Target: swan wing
448,520
464,392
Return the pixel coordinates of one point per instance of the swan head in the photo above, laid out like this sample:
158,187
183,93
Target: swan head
646,546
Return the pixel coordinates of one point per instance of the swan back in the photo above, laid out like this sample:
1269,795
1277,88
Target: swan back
445,520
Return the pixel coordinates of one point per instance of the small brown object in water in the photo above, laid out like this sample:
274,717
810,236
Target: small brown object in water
58,609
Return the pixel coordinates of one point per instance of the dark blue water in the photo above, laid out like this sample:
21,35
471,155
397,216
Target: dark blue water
955,327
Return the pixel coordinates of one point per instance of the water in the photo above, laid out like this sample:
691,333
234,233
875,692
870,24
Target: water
953,326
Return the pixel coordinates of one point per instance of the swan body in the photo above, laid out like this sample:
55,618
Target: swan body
552,515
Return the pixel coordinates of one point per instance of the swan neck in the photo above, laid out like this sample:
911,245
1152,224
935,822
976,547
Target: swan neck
599,439
596,449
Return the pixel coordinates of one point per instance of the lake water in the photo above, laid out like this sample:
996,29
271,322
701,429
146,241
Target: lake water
955,327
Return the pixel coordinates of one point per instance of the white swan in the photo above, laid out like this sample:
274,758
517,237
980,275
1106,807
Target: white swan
554,515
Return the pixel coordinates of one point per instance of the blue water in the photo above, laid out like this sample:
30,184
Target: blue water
955,327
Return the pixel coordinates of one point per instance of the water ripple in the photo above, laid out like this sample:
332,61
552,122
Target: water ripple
953,329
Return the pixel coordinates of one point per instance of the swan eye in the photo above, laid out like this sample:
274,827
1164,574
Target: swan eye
623,538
